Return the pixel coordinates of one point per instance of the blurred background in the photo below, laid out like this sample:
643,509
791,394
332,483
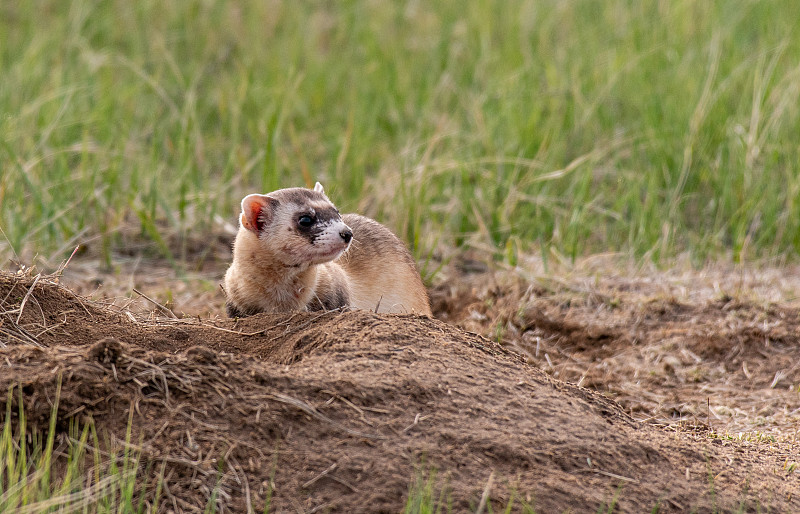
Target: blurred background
519,127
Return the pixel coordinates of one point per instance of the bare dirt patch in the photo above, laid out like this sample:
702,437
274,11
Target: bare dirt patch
717,347
339,410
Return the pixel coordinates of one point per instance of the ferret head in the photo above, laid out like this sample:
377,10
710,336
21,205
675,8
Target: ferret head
296,226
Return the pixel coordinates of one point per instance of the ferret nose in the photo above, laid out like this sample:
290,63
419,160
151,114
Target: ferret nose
346,234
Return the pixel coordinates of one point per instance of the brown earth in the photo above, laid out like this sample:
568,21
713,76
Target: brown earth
712,347
340,411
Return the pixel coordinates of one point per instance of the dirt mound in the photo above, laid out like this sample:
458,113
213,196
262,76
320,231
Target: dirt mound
339,410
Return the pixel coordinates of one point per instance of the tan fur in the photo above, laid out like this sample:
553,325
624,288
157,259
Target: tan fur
380,269
278,268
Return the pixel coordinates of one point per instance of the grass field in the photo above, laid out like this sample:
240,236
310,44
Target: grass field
513,127
647,128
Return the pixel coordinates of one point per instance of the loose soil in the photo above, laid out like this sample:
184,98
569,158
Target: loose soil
340,411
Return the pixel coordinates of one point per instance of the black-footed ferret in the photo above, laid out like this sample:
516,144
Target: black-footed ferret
294,251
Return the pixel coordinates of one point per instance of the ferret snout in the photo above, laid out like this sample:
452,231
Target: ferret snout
347,235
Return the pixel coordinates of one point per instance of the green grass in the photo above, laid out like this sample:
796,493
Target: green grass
36,475
426,496
648,128
429,495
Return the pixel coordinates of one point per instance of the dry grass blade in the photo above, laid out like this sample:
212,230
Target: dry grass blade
485,496
241,477
27,295
314,480
77,501
611,475
19,334
153,369
163,308
11,328
308,409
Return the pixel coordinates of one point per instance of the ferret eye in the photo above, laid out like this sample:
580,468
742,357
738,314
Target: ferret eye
305,221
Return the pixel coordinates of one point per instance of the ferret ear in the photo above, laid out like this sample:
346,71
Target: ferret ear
318,188
256,212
